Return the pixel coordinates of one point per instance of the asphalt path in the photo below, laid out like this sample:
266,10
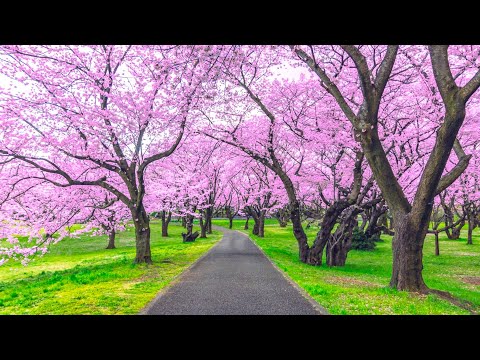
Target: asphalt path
233,278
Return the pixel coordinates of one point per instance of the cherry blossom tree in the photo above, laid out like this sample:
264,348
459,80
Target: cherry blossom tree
326,133
98,115
35,215
230,200
108,215
379,71
281,124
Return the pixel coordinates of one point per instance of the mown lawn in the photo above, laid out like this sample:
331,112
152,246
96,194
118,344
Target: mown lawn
361,287
78,276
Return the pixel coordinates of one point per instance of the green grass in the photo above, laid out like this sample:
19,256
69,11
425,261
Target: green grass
78,276
361,287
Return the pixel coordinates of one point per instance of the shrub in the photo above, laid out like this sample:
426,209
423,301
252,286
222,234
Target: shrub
376,238
361,242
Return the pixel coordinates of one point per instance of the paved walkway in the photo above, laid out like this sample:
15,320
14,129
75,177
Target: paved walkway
234,278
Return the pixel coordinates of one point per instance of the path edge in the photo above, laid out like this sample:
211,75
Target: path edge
177,278
321,310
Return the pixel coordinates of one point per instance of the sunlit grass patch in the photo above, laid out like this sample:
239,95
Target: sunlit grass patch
79,276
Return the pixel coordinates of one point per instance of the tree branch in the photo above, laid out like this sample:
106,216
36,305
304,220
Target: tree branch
470,87
327,83
441,71
463,160
385,70
363,71
166,153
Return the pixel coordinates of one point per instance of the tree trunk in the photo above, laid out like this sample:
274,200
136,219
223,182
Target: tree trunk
470,232
230,215
383,220
376,220
261,225
246,223
364,221
391,224
437,245
208,219
189,224
190,237
282,217
203,227
456,231
449,234
328,223
255,226
111,239
373,228
142,235
340,243
407,254
298,232
337,253
184,222
165,222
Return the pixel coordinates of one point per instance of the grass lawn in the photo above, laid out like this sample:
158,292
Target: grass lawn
361,287
78,276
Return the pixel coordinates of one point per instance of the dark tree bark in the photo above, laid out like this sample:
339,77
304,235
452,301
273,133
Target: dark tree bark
472,223
282,216
365,218
383,220
190,237
437,245
407,256
258,216
189,223
246,223
255,230
165,221
111,239
208,219
108,227
391,225
203,227
328,223
374,229
298,232
261,224
436,219
340,241
334,211
456,231
142,235
470,233
184,222
453,232
436,231
230,213
471,211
